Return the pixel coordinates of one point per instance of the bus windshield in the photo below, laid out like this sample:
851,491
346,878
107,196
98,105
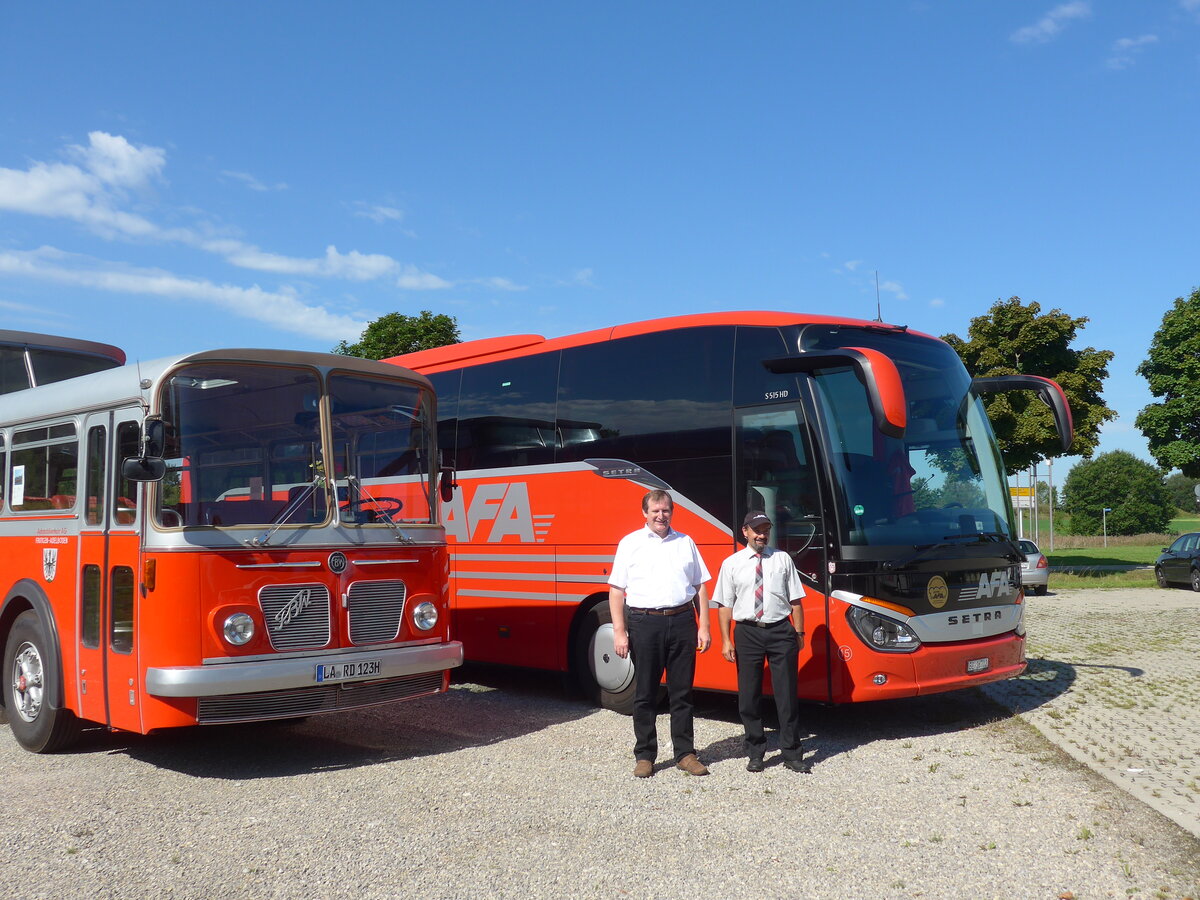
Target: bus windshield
943,481
245,446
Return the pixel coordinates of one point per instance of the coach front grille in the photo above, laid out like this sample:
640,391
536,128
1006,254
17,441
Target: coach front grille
375,609
297,615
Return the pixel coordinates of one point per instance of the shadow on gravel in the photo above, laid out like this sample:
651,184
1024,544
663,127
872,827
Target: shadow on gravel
1042,681
483,706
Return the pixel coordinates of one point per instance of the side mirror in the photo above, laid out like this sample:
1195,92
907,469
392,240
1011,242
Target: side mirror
446,483
153,438
1047,391
143,468
878,374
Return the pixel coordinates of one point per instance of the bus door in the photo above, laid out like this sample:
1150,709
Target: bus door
109,551
775,473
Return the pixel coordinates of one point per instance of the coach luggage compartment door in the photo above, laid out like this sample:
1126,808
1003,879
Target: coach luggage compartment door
109,545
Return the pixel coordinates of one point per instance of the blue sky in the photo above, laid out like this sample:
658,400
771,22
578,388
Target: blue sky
176,177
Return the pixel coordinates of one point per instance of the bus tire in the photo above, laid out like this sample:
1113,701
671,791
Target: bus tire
604,677
31,682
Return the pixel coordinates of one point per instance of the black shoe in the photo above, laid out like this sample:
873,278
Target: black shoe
755,764
798,765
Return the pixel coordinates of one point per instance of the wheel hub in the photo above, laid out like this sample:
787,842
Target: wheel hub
610,671
28,683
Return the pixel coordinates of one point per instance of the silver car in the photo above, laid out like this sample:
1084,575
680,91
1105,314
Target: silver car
1035,571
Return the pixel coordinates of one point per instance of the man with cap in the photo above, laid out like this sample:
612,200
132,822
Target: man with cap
759,589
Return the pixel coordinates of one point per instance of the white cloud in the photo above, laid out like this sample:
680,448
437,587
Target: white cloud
852,264
501,284
894,288
937,302
253,183
1125,50
281,309
413,279
1051,25
353,266
377,213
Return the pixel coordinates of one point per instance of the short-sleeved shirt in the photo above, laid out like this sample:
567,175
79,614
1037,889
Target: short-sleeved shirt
657,573
781,585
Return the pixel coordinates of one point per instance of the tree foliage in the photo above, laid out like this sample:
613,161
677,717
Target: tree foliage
1016,338
1182,491
396,333
1172,368
1132,489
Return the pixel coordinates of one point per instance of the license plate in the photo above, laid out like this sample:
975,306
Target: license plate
978,665
344,670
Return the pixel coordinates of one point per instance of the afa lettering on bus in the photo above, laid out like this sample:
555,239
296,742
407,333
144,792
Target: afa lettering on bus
504,504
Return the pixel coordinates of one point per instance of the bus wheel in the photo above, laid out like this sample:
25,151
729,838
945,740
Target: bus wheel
30,683
603,675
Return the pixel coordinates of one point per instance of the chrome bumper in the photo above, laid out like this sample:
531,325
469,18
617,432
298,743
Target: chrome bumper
223,679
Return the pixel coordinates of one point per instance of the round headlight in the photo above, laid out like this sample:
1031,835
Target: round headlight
425,616
239,629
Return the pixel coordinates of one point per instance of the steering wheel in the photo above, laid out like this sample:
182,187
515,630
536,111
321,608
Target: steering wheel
394,506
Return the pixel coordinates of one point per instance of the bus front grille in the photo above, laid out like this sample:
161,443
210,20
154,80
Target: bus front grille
297,615
375,609
312,700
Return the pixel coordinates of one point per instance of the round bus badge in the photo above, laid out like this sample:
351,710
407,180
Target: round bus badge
337,562
937,592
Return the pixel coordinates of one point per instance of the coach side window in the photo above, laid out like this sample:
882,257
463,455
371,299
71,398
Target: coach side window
125,511
13,374
45,467
3,467
445,385
506,413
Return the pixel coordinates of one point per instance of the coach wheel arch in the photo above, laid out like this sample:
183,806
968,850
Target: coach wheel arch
603,676
25,596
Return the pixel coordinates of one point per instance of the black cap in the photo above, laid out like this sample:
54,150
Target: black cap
754,518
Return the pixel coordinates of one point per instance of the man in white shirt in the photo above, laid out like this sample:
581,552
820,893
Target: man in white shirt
655,574
759,588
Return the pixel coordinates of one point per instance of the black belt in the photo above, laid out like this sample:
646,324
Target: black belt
669,611
758,624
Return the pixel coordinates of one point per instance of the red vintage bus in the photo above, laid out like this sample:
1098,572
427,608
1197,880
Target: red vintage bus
865,443
226,536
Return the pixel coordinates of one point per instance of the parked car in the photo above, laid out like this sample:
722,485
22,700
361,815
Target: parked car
1180,563
1035,571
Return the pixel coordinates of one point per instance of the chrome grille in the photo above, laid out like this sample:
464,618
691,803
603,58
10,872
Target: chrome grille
310,700
375,609
297,615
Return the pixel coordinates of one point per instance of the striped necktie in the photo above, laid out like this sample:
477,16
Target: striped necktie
758,587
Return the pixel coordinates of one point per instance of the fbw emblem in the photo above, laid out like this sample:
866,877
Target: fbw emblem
49,562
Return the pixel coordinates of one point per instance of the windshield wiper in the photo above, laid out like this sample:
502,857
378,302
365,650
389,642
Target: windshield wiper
924,551
293,505
363,497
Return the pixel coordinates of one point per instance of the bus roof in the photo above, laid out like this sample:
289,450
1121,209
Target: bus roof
31,339
511,346
113,387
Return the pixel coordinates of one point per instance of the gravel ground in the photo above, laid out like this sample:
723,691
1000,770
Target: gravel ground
508,787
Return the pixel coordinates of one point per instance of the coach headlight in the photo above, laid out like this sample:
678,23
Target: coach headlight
239,629
882,632
425,616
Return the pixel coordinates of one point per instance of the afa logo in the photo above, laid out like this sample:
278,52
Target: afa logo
496,511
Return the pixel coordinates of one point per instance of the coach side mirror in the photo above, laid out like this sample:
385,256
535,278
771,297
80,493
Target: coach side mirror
142,468
446,483
153,443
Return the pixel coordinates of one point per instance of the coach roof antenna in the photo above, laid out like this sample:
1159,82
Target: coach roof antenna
878,310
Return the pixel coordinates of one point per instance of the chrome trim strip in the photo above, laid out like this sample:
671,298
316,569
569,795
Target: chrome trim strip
281,674
381,562
310,564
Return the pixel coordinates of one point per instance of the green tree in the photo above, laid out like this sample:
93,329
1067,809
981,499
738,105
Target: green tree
1172,368
1182,491
1016,338
396,333
1132,489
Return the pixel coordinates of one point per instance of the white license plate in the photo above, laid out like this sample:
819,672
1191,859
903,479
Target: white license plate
348,670
978,665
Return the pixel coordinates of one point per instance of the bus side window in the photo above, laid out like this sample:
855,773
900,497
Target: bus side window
125,501
445,385
506,413
93,510
45,463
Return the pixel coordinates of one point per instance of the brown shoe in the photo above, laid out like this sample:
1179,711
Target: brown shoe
692,765
643,769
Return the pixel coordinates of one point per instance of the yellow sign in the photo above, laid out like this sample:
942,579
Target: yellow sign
1020,491
937,592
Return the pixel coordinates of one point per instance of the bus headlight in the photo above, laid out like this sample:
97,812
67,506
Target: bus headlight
881,632
239,629
425,616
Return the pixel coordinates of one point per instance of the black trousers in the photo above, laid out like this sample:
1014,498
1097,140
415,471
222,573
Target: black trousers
776,644
660,643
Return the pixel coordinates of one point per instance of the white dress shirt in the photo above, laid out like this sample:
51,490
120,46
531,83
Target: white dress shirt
781,585
657,573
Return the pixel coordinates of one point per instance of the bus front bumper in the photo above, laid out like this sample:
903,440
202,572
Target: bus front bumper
251,677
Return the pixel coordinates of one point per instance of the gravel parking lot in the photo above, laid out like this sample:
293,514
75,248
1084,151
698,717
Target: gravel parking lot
507,786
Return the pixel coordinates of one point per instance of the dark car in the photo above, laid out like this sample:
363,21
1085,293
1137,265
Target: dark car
1180,563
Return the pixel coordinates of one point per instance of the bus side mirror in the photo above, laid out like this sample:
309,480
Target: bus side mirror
878,374
143,468
1048,392
446,483
153,438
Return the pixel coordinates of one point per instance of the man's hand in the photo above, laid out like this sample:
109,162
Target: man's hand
703,638
728,652
621,642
